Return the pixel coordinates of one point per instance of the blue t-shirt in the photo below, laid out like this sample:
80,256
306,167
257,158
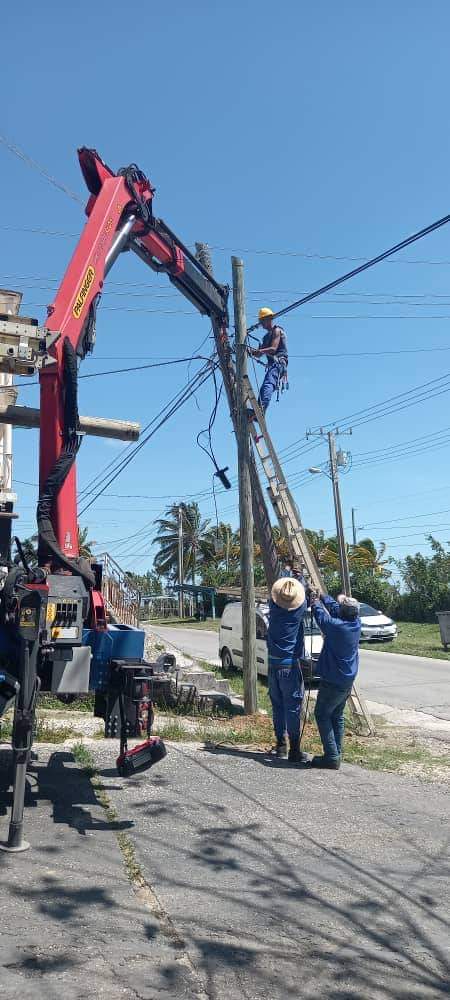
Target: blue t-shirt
285,636
339,658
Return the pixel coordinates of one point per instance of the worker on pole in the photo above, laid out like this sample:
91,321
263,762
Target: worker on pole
274,348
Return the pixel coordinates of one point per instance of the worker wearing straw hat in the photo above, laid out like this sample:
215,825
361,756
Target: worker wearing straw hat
285,641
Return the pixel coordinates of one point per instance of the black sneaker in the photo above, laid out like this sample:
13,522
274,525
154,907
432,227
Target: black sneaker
281,750
297,756
327,763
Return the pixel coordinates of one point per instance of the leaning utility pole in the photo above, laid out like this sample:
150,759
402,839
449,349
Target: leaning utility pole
343,561
180,563
245,497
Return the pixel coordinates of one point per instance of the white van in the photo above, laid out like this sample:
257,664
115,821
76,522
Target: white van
230,640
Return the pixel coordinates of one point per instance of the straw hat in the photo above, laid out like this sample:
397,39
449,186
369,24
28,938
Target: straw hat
288,593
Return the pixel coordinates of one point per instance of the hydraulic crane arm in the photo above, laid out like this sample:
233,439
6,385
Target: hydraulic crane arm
120,217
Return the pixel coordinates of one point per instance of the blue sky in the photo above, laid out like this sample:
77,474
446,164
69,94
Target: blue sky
299,136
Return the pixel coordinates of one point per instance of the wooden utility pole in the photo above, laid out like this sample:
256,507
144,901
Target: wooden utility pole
245,497
263,528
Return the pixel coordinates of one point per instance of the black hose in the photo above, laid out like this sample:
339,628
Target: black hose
48,547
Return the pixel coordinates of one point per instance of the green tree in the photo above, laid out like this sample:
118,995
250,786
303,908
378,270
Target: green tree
426,582
195,530
374,590
84,543
29,548
146,583
366,556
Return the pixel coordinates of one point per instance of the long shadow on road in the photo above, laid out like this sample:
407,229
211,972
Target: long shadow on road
293,888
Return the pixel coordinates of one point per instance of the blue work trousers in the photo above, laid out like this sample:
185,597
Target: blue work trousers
286,690
270,384
329,714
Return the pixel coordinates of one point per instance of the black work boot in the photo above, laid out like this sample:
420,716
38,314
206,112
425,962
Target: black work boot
281,749
327,763
296,756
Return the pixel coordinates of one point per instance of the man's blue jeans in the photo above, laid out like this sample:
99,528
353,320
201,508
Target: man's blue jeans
329,714
270,383
286,690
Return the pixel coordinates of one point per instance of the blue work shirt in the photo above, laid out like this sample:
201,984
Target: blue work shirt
282,349
339,658
285,636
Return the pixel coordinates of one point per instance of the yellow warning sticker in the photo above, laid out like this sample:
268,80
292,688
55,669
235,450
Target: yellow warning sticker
83,292
51,612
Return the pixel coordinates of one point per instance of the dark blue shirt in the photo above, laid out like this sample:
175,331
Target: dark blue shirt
281,353
339,658
285,636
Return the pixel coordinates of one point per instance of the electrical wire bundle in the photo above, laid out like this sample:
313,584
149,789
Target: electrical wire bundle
113,469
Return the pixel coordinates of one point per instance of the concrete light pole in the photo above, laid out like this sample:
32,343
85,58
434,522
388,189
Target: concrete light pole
334,476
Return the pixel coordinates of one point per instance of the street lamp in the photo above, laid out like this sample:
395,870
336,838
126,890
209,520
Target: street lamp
340,459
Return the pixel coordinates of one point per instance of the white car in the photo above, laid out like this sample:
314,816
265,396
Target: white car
375,626
230,640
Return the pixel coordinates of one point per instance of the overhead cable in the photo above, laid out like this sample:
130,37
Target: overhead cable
362,267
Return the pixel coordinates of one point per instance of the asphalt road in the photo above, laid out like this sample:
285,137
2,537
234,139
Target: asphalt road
408,682
71,925
283,883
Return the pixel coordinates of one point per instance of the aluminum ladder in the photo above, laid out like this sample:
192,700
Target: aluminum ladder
289,518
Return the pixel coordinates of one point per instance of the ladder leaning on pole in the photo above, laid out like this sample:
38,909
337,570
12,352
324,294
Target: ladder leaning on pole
288,516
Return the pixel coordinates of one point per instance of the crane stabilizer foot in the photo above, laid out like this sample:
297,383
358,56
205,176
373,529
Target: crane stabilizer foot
11,847
16,843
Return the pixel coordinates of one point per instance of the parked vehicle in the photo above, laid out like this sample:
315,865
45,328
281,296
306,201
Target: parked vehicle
230,641
375,626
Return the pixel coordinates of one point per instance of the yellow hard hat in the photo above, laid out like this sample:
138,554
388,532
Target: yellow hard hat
265,312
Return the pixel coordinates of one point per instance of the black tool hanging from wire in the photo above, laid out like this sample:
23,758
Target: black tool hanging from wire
209,451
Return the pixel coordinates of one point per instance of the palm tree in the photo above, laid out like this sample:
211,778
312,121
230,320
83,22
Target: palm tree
84,544
195,532
220,546
365,555
29,549
325,550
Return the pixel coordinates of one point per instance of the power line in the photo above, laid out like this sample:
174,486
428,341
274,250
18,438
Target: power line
99,477
362,267
17,151
307,255
121,371
391,399
196,384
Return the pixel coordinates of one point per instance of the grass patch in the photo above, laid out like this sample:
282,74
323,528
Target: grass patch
378,753
83,704
83,757
250,729
414,639
43,733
